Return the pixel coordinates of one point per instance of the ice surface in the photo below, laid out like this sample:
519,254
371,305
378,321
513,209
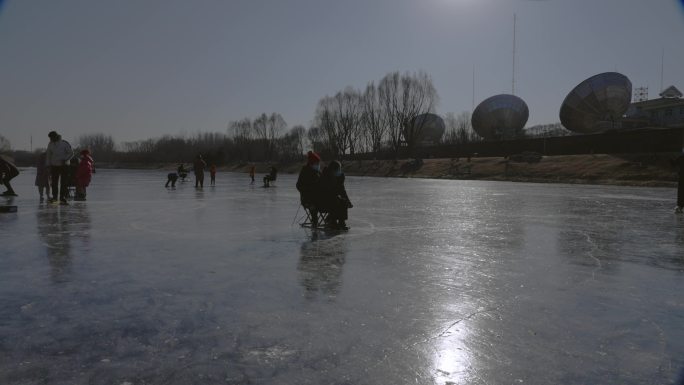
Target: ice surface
444,282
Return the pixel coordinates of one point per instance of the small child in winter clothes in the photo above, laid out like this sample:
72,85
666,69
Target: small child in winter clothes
83,175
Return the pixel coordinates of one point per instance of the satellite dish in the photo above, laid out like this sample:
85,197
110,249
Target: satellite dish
596,103
429,128
500,117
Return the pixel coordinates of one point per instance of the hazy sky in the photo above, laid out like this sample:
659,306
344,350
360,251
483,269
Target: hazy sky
144,68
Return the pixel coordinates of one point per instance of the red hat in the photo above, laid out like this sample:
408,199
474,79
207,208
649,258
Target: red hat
312,157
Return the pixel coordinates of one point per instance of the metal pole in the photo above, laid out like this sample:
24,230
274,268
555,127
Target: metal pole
662,69
513,82
472,108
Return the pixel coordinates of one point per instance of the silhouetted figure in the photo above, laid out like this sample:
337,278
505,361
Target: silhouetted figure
7,172
679,162
171,178
309,186
252,172
271,176
212,174
59,153
334,196
84,175
198,166
72,169
42,176
182,172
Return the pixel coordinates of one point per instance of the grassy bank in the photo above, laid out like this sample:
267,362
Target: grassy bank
628,170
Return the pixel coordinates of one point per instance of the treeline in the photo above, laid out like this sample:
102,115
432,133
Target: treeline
376,119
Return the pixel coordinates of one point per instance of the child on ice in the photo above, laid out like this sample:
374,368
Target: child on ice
83,175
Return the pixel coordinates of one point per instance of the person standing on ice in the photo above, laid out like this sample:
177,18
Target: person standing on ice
212,174
679,162
252,172
309,184
59,153
42,177
83,175
199,167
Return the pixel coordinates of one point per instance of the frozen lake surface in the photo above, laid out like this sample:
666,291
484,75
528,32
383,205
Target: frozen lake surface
437,282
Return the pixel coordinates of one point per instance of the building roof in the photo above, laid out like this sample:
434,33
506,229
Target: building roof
659,103
671,92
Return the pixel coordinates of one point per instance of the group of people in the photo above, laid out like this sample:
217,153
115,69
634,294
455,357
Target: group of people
198,167
56,168
324,192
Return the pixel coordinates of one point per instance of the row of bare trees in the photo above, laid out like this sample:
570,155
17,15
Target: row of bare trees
379,117
459,129
266,137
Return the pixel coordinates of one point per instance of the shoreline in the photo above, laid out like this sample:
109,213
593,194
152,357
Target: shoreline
644,170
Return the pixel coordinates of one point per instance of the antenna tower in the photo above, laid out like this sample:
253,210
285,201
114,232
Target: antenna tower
640,94
662,69
513,82
473,105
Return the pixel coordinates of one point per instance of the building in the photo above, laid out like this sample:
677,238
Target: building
666,111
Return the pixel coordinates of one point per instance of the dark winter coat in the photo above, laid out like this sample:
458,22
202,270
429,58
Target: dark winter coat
679,162
332,190
7,169
308,185
199,166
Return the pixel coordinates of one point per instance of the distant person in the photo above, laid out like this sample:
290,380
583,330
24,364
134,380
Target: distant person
308,185
42,177
71,176
252,172
679,162
334,198
271,176
58,154
171,178
212,174
182,172
8,170
198,166
83,175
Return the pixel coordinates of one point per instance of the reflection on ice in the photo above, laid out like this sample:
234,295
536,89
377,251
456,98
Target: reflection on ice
57,230
320,265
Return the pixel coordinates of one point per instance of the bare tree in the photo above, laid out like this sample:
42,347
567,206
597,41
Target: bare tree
241,129
102,146
348,119
299,132
317,139
243,138
373,122
459,129
402,99
268,129
327,126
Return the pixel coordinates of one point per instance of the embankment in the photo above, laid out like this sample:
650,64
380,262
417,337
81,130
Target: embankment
628,169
